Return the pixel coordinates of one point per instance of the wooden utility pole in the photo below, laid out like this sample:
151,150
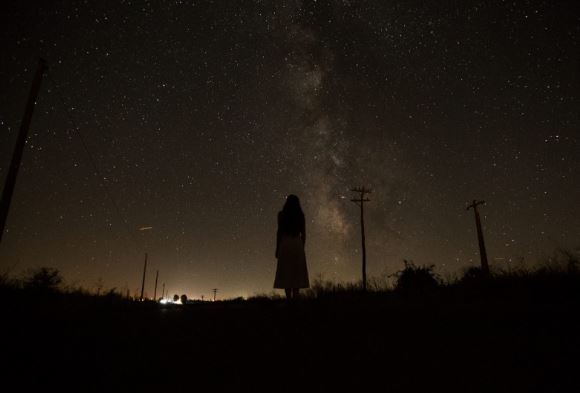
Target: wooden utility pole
482,252
10,182
361,201
155,291
215,290
143,282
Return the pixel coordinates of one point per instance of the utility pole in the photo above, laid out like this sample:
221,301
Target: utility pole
155,291
163,294
361,201
10,182
482,252
215,290
143,282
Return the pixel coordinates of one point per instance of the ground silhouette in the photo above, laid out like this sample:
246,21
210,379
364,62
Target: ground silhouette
514,332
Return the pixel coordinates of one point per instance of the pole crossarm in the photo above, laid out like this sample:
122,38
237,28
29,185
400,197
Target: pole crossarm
362,190
474,204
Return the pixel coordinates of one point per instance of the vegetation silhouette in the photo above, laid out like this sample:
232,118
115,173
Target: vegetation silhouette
416,279
515,330
43,279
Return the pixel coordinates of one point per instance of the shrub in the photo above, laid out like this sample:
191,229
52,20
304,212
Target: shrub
415,278
472,275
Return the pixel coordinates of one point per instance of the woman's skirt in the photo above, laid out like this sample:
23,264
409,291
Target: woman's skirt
291,271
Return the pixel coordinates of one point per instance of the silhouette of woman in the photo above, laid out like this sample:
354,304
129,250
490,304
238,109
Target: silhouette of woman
291,271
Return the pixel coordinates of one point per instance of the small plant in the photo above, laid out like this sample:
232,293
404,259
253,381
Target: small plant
415,278
99,284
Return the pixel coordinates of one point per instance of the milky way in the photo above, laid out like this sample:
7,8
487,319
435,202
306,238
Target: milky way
201,117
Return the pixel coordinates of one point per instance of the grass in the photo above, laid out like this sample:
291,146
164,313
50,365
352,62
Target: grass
516,331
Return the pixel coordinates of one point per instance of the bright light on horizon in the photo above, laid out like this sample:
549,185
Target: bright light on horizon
169,301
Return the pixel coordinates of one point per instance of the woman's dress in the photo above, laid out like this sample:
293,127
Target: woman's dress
291,270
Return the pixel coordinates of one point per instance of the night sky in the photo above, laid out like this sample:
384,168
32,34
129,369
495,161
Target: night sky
202,116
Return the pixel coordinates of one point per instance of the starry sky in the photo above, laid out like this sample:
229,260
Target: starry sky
200,117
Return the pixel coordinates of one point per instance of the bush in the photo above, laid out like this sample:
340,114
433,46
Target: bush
473,275
415,278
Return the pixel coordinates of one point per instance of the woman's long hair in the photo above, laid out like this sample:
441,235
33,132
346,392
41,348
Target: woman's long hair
292,216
